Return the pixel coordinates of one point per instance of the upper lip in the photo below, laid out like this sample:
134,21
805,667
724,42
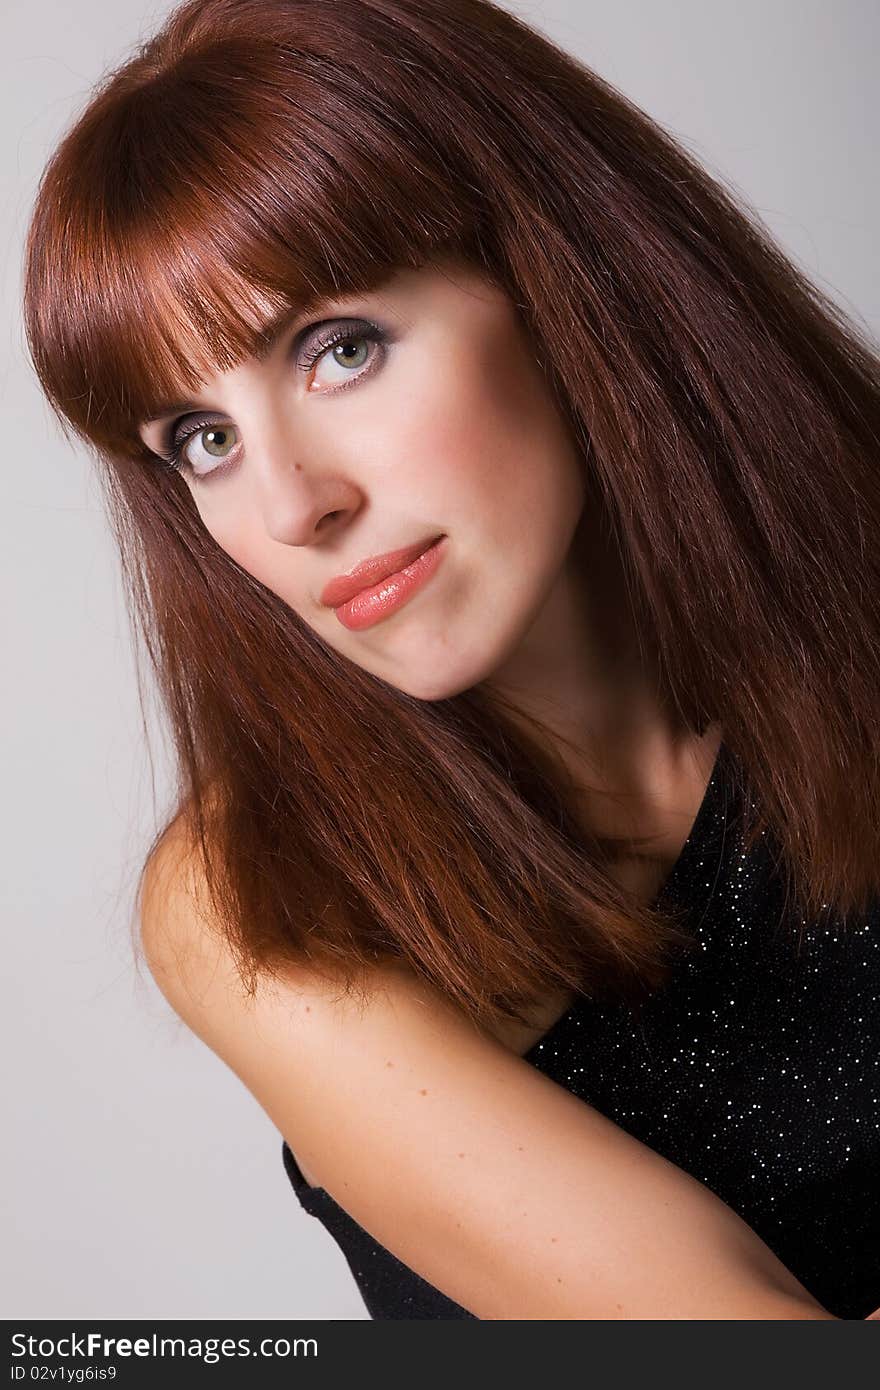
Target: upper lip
370,572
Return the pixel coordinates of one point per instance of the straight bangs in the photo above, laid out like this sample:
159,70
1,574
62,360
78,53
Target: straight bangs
236,189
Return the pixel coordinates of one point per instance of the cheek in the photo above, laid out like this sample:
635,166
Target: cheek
243,543
494,437
457,426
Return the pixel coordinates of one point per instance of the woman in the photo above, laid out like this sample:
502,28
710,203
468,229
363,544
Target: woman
500,508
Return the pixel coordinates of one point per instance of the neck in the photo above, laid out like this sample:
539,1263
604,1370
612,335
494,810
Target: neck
580,683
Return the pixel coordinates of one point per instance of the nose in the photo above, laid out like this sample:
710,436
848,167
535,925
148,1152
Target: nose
300,500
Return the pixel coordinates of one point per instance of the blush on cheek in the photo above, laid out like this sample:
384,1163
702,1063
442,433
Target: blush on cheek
473,439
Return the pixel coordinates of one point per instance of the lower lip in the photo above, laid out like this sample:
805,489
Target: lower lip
371,605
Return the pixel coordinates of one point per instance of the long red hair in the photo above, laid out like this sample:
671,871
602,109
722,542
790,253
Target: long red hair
256,155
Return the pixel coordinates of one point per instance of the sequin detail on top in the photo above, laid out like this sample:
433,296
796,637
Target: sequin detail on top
756,1068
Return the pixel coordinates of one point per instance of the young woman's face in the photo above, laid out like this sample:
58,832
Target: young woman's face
438,424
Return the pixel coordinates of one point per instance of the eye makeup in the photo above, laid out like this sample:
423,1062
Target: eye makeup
310,344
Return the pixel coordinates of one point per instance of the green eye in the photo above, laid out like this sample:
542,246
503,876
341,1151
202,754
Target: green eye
347,345
219,440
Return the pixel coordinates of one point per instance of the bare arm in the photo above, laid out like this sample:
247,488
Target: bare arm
502,1189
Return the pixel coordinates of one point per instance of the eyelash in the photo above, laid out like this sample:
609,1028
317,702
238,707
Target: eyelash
172,455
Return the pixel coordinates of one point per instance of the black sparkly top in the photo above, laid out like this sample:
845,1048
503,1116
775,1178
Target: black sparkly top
756,1068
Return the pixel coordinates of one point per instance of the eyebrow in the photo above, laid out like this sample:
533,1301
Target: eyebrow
264,341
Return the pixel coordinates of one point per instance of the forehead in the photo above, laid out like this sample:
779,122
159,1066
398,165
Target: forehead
265,338
399,288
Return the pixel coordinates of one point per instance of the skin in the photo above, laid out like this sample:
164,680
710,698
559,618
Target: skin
451,428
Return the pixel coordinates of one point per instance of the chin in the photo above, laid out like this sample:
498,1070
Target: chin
443,672
429,685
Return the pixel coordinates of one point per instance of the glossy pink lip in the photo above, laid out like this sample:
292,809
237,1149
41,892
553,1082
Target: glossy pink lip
370,572
372,605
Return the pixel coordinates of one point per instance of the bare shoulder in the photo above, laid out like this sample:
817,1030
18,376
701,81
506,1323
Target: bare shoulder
496,1185
191,961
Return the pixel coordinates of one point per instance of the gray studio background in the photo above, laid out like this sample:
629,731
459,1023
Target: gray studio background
139,1178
